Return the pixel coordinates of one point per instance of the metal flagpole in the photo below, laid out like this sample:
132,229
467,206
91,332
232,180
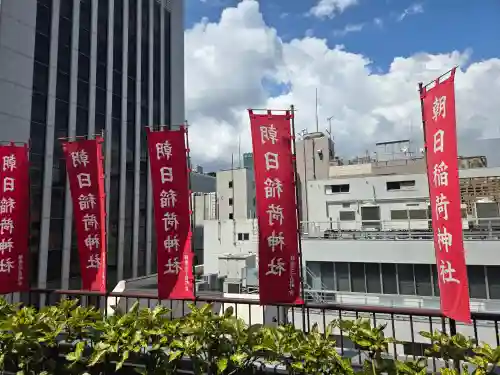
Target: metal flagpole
297,205
192,204
453,323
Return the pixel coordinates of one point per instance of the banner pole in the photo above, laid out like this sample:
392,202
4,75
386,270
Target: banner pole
192,206
297,206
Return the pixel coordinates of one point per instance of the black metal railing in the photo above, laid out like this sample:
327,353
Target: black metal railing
403,324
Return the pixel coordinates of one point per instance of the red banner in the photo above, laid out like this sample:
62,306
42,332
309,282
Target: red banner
14,218
170,179
279,278
438,102
86,181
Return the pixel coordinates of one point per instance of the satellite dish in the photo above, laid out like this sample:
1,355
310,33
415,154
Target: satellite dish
404,150
422,150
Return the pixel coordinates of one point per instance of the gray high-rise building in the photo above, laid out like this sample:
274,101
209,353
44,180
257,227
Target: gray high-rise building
76,67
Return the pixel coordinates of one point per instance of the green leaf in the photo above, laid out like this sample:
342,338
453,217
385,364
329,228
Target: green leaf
174,355
221,365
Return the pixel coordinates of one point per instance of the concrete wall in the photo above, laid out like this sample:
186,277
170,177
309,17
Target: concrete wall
17,45
241,193
221,237
409,251
372,190
312,165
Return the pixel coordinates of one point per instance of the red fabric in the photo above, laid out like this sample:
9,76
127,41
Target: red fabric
442,172
170,179
86,180
14,218
279,272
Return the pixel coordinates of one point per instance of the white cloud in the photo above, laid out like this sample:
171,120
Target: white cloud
378,22
351,28
328,8
227,61
411,10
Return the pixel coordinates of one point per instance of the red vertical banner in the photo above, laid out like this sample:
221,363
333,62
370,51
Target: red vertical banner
14,218
170,183
438,111
279,262
84,163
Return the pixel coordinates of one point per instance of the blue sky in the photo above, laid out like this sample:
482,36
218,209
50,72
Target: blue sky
433,26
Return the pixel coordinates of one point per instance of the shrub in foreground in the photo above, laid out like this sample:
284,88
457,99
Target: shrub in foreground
70,339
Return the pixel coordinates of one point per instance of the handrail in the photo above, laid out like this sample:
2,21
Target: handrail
319,306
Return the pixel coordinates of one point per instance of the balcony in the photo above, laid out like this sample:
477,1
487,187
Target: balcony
386,230
338,338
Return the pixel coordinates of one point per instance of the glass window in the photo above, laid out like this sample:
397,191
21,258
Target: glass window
167,78
43,17
82,118
65,30
66,9
101,76
372,271
62,116
83,94
389,281
435,281
39,108
117,82
62,87
342,275
358,277
42,48
64,59
85,14
100,122
57,202
477,281
84,41
406,279
423,280
493,273
83,67
54,256
100,100
40,78
326,272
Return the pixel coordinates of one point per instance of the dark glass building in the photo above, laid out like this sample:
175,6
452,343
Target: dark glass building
77,67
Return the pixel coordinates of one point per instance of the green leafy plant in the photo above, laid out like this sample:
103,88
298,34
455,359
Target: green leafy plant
71,339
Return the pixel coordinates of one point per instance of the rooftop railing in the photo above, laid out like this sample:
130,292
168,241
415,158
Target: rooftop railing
415,229
403,324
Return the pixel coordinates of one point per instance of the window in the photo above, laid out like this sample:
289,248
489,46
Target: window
477,281
372,271
347,215
423,281
230,201
389,281
335,189
346,205
231,216
400,185
493,273
435,282
230,184
243,236
417,214
342,275
406,279
358,277
399,215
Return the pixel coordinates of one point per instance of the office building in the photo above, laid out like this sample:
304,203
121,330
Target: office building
76,67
